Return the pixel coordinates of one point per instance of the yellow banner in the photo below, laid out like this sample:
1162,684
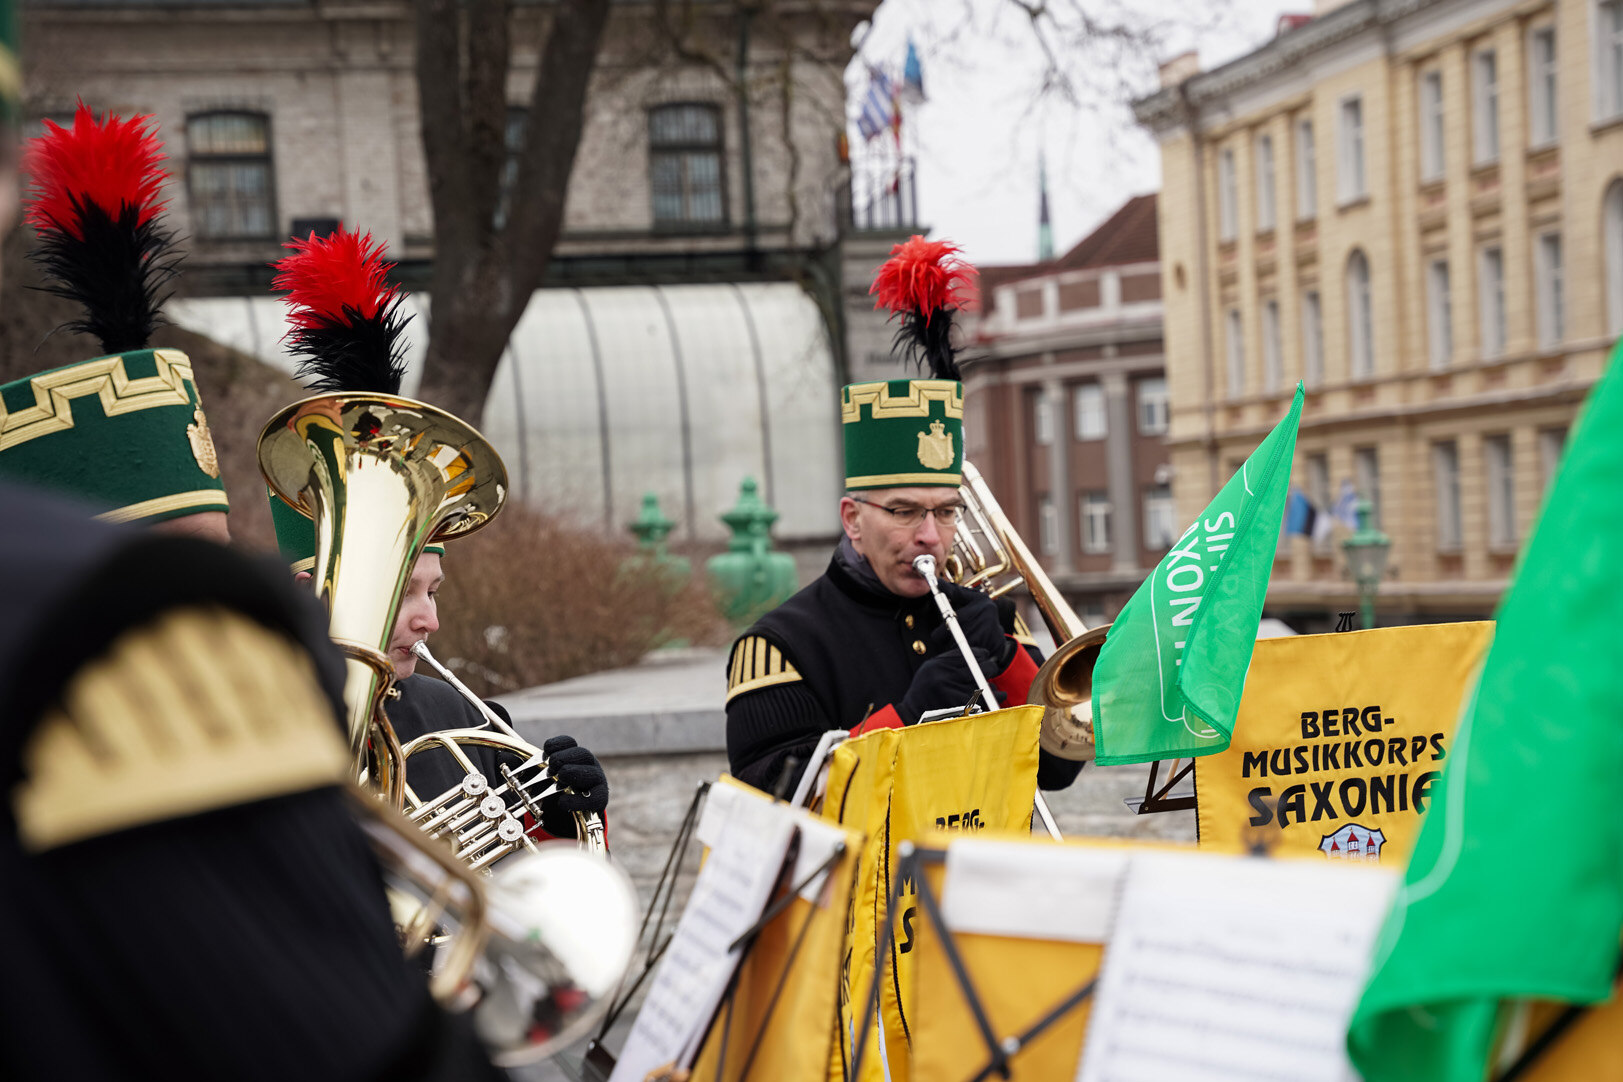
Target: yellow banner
1339,742
858,797
962,774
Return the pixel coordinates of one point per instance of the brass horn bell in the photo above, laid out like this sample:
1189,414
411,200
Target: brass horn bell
381,476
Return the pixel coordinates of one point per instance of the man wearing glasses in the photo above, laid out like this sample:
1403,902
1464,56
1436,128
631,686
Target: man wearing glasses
864,645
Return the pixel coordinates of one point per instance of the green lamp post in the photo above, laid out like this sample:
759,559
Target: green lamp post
1367,550
749,577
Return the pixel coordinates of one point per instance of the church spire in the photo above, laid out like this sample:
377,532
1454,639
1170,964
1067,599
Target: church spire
1045,230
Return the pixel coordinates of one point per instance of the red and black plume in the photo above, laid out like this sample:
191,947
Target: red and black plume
926,283
347,319
94,202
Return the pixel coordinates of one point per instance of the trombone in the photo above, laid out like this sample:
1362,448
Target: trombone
987,553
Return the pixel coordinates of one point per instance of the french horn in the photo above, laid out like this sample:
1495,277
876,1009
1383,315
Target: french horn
479,818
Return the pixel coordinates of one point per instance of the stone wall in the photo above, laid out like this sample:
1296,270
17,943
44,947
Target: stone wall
338,87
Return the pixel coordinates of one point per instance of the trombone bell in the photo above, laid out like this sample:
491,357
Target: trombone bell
1064,685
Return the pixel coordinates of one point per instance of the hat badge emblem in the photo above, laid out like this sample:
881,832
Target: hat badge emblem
202,442
935,447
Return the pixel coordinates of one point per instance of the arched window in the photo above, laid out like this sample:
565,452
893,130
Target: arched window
684,161
1360,319
229,176
1612,224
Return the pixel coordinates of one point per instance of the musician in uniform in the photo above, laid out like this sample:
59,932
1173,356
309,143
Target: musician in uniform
354,346
190,894
427,704
864,646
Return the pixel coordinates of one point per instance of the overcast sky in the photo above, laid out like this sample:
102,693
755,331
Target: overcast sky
977,137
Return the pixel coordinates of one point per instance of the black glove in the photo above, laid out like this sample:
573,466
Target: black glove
945,680
982,624
583,785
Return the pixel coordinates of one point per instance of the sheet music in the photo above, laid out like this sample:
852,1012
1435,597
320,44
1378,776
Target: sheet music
749,840
1234,969
1032,891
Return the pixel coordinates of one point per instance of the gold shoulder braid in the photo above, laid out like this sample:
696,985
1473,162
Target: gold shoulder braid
1022,631
202,709
757,664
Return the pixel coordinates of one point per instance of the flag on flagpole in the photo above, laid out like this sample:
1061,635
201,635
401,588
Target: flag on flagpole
1323,524
1346,509
1301,517
1515,888
912,77
1171,671
878,112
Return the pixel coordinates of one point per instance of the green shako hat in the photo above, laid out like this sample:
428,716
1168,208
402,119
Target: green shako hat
347,328
125,429
908,432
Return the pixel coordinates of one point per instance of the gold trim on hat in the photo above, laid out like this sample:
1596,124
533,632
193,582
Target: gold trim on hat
916,403
105,378
203,499
900,480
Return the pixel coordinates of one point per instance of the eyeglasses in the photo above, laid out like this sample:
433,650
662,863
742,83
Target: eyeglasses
910,516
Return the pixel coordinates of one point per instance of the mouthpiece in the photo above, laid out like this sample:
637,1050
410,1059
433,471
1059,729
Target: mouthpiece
925,566
420,648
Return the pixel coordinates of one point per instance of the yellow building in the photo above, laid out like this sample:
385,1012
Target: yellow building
1415,208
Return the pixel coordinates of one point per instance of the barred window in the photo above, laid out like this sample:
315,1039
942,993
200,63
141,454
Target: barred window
684,154
229,176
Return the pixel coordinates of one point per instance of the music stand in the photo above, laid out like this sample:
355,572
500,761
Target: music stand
1162,799
999,1050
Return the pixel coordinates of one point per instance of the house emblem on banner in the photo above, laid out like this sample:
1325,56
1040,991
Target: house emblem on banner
1355,843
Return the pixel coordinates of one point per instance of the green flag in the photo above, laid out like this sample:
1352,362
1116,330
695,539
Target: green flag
1170,673
1515,889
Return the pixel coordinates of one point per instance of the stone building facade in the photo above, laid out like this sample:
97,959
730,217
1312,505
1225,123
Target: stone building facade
710,284
1066,409
286,113
1415,207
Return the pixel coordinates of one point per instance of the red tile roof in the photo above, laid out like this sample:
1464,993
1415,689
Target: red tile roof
1127,236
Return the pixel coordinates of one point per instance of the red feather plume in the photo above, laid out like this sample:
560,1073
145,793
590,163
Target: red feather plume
327,277
924,276
109,164
925,282
346,316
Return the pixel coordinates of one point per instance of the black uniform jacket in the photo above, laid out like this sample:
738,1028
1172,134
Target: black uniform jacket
244,939
827,658
430,705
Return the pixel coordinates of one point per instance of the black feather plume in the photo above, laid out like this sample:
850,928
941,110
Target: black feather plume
116,269
925,341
